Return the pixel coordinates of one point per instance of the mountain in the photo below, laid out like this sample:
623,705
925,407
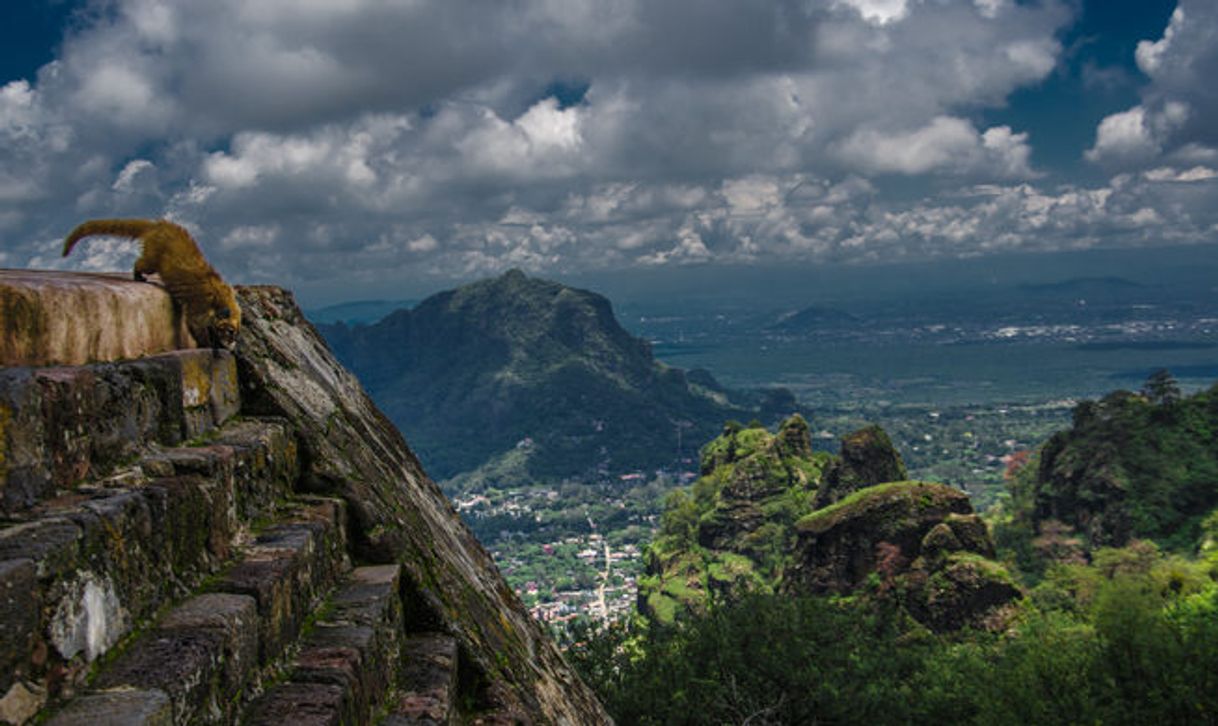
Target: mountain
357,311
1083,286
811,319
517,365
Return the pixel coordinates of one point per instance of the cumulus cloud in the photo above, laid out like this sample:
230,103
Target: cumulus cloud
1178,114
945,144
365,140
1137,134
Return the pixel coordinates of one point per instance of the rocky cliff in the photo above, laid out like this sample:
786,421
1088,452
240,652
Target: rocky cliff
195,537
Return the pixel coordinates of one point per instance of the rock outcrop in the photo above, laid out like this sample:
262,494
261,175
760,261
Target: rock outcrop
867,458
181,533
754,522
754,486
919,538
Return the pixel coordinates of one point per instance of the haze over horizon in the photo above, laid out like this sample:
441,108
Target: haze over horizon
350,149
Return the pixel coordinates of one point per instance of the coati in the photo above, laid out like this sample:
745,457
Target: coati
208,303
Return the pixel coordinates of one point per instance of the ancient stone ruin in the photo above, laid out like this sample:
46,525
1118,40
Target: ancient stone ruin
192,536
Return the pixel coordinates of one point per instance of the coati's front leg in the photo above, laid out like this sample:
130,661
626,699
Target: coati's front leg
143,268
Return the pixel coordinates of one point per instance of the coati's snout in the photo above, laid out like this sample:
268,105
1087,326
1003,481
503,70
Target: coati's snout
225,329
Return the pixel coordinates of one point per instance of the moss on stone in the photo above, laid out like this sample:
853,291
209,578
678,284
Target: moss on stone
922,495
939,540
663,608
990,569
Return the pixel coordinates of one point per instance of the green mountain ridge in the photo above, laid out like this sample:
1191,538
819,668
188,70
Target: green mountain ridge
470,374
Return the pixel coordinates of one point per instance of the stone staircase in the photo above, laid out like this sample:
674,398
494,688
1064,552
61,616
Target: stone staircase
192,537
159,566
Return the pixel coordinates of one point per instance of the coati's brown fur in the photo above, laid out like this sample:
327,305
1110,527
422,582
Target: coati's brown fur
207,302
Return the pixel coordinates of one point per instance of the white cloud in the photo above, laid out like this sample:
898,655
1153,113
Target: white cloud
363,139
946,144
1178,115
1137,134
880,12
1149,53
1124,135
543,141
991,8
426,243
130,177
251,236
1169,174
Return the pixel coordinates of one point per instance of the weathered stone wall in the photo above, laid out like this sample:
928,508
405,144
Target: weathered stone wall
165,556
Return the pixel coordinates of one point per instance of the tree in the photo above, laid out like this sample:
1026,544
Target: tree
1161,388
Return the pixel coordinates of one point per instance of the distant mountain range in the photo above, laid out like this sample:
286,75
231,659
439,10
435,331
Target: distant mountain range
514,365
812,318
359,311
1083,286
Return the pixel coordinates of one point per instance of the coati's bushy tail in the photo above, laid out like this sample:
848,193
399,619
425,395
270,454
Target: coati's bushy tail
133,228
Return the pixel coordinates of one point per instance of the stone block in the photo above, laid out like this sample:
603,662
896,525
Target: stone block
299,704
116,708
207,382
19,608
72,318
21,702
192,524
371,596
62,426
256,460
233,616
287,570
428,683
53,544
345,656
198,656
184,664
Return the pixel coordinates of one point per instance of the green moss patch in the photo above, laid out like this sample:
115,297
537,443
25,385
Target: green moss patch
917,495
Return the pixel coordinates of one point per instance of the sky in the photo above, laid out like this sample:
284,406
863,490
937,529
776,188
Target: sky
355,149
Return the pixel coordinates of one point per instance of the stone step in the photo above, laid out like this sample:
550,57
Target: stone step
427,689
70,318
347,662
288,569
203,656
89,567
63,426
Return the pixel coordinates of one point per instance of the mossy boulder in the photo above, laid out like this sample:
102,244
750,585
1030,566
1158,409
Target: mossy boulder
965,589
920,538
764,477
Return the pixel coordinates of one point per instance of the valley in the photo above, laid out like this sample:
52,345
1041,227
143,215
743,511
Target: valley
967,383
